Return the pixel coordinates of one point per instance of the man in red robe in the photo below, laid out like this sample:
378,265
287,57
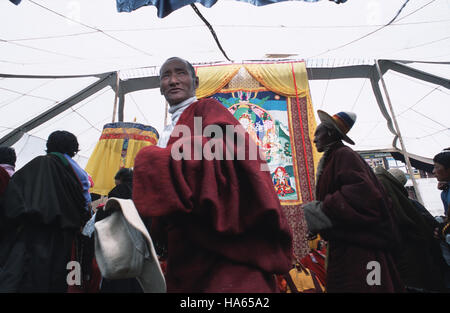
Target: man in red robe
219,217
4,180
352,212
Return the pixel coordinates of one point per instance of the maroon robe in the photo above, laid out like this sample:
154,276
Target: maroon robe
225,229
363,227
4,180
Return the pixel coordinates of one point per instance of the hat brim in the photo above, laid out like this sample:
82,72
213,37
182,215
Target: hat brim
326,118
152,278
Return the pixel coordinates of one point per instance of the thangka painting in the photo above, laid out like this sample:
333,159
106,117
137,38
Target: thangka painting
281,122
264,116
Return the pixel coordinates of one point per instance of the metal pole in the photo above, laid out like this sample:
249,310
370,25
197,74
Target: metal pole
116,97
408,163
12,137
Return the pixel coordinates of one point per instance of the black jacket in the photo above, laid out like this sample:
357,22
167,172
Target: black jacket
41,211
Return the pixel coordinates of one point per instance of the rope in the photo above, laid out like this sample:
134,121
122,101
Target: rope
211,29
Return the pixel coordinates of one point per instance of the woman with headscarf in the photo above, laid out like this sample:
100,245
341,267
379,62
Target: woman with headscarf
44,208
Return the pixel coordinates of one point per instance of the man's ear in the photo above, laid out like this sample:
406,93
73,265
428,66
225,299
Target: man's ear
196,82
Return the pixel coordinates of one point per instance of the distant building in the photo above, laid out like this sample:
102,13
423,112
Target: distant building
386,160
425,180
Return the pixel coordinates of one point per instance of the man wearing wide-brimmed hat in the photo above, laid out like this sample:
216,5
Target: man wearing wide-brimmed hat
352,213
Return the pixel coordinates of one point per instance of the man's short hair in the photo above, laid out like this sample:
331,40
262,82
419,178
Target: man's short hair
443,158
8,156
124,175
189,66
63,142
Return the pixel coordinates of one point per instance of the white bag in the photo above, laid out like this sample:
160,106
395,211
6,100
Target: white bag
124,249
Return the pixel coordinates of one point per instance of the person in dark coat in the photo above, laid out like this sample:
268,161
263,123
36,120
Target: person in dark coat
418,259
124,184
4,180
44,209
351,213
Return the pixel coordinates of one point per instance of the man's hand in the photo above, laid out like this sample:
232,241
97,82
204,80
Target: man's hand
315,218
436,233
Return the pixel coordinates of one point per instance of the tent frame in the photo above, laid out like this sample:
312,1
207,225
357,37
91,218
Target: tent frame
123,86
103,81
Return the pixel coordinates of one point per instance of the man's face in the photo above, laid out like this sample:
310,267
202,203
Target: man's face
177,83
321,138
442,174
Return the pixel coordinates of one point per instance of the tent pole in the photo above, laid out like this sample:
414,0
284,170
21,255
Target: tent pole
116,96
103,81
408,163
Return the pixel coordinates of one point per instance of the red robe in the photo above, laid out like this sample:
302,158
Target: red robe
363,227
222,221
4,180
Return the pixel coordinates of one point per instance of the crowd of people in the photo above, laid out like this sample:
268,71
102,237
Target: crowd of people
217,224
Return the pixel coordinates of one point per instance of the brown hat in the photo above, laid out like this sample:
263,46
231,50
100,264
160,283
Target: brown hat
342,122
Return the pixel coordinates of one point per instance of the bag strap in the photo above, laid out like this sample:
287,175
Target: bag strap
317,285
301,268
290,283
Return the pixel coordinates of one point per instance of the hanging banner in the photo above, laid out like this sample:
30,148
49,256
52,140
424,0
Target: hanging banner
273,104
117,147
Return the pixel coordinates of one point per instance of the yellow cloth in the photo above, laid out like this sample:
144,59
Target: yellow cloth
312,125
213,78
313,244
302,280
279,77
118,146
